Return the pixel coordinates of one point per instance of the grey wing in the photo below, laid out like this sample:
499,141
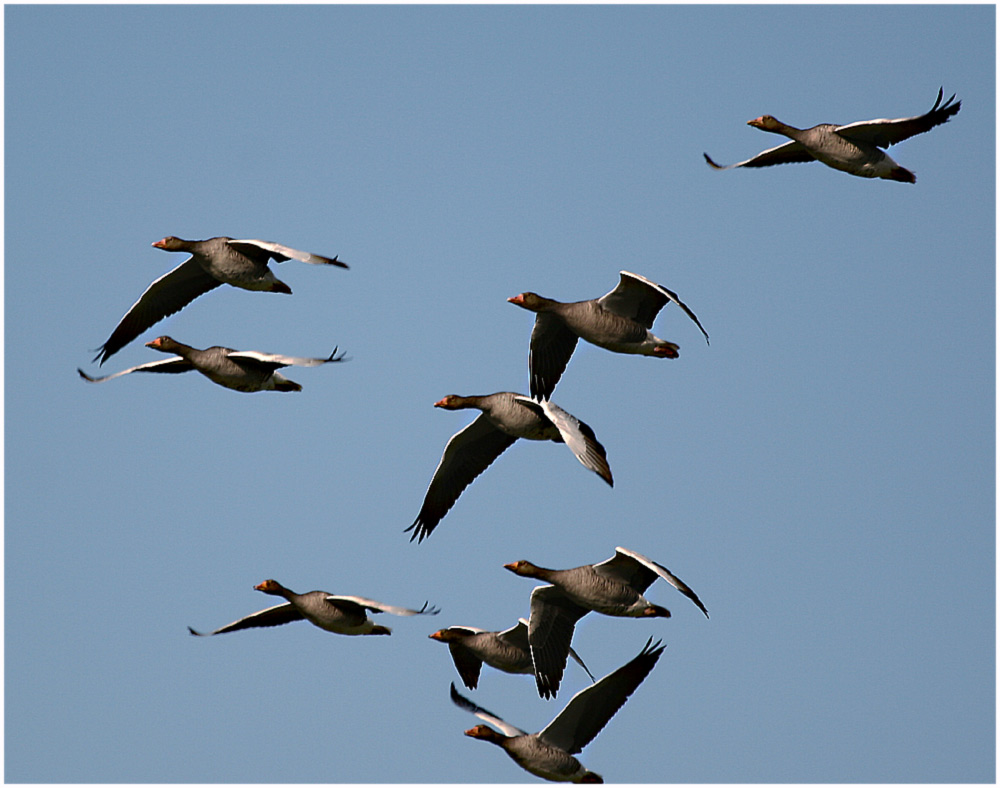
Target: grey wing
641,299
467,664
276,361
166,295
550,631
789,152
581,440
885,132
636,298
643,571
172,364
552,345
381,607
623,568
282,253
467,454
517,635
590,709
269,617
488,716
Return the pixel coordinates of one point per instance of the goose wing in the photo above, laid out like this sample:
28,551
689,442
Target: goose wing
467,454
466,662
884,132
518,636
282,253
268,617
487,716
579,437
275,361
638,298
172,364
552,345
380,607
590,709
166,295
787,153
639,572
550,631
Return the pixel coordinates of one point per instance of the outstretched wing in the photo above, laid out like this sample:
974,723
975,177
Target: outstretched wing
518,636
269,617
552,345
172,364
885,132
467,454
590,709
467,663
550,631
282,253
579,437
381,607
275,361
786,153
640,299
168,294
638,571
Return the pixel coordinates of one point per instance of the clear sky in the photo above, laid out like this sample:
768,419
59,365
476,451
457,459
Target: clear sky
822,475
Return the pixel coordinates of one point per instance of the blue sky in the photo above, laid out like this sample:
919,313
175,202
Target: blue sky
822,475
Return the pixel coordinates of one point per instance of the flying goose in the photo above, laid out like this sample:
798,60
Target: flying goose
240,370
619,321
854,148
344,615
505,417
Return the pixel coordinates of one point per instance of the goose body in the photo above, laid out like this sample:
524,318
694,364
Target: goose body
550,753
505,417
240,370
343,615
855,148
619,321
614,587
215,261
507,651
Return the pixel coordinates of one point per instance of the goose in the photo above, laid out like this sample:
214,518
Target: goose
549,754
344,615
507,650
240,370
619,321
854,148
505,417
215,261
614,587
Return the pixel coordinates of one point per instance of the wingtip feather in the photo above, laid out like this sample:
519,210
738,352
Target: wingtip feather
711,163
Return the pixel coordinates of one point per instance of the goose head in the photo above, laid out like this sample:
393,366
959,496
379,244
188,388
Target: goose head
486,733
531,301
270,587
171,244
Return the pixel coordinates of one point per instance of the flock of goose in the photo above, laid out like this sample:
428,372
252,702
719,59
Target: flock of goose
620,321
